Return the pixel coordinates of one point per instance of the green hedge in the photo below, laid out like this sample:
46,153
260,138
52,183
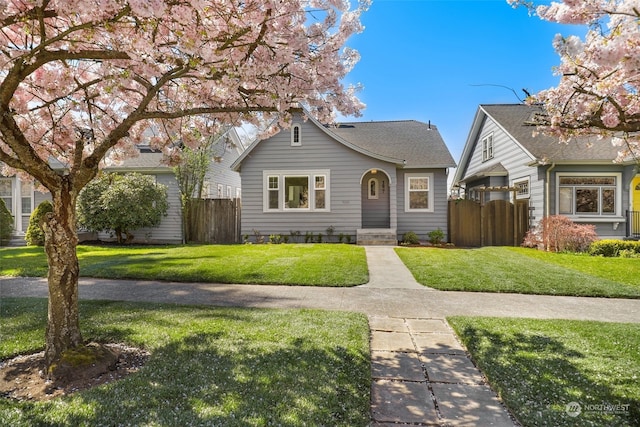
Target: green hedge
35,234
614,248
6,224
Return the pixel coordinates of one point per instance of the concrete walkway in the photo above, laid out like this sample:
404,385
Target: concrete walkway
421,375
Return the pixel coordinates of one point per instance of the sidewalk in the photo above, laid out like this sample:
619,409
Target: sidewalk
421,375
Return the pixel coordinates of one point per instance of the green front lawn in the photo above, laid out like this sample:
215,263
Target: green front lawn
291,264
208,366
540,367
521,270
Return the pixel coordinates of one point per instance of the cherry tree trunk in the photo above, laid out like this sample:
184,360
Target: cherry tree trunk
61,239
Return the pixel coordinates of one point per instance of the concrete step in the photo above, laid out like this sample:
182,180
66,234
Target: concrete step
376,237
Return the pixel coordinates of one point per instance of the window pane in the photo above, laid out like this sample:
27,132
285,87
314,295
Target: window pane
608,200
587,180
586,200
419,200
5,188
418,183
566,201
273,182
320,182
273,199
296,192
320,195
26,205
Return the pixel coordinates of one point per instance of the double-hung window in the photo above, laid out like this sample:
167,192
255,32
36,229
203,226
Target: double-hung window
589,195
296,190
522,188
418,192
487,147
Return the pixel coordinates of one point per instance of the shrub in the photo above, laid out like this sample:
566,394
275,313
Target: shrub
410,238
35,234
122,203
6,224
557,233
436,236
614,248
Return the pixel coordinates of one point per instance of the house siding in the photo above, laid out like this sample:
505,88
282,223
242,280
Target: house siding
422,223
317,151
515,160
220,173
170,229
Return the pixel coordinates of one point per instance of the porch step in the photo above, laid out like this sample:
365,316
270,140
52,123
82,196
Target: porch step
377,237
17,241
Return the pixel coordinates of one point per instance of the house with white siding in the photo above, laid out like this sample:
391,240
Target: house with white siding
21,197
578,179
371,181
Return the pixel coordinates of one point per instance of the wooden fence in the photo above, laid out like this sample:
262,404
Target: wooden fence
496,223
214,221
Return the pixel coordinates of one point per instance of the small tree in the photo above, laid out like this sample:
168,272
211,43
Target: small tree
557,233
6,224
122,203
35,233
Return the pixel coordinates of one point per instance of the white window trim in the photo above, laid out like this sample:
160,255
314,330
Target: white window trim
295,143
612,216
517,181
377,187
310,174
429,176
487,147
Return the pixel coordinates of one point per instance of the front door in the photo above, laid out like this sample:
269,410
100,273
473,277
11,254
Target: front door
375,200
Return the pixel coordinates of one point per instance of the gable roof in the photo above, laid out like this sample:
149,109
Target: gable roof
408,143
418,144
515,119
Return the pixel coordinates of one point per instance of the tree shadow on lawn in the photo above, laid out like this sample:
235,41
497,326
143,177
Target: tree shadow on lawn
191,382
538,376
215,376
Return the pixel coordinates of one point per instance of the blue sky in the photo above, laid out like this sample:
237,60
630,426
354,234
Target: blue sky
435,60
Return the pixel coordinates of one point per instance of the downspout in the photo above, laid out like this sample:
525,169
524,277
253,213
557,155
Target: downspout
547,207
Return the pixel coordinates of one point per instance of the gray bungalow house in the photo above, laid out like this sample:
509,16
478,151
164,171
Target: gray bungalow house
578,179
369,180
21,197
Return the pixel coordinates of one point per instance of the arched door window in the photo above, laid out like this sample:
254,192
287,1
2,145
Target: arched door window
373,188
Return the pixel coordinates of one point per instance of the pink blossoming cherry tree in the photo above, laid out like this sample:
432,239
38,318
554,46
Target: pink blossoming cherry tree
82,80
600,75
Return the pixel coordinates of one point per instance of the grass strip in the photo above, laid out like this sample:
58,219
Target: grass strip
209,366
540,368
294,264
520,270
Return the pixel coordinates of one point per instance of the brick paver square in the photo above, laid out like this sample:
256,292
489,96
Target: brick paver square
394,365
470,405
402,402
391,341
448,368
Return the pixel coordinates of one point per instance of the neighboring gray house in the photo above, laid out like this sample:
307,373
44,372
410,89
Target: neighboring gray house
578,179
389,177
220,182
